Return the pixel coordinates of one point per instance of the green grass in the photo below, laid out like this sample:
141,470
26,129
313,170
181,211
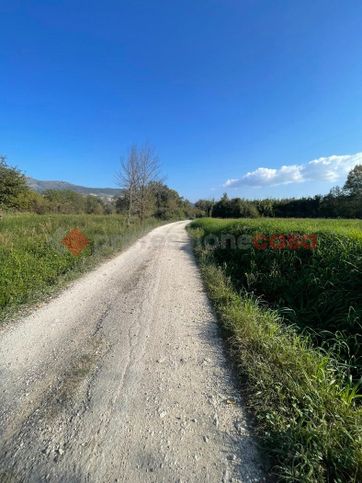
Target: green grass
319,291
305,402
285,225
34,262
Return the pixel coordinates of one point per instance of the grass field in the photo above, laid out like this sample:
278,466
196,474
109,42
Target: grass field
317,290
293,320
34,262
321,225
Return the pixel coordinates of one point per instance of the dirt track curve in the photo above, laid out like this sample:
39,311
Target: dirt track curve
122,377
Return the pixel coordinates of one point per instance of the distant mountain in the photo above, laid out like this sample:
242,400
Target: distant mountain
40,186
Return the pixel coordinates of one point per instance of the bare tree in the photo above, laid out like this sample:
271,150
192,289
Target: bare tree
129,180
138,170
149,170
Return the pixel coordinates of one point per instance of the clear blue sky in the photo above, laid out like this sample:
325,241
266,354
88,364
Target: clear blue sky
219,87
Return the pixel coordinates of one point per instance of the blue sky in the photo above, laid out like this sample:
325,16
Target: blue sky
221,88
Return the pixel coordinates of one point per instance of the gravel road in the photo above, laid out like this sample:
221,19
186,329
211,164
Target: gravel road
122,377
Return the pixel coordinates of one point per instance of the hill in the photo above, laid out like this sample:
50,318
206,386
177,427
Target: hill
43,185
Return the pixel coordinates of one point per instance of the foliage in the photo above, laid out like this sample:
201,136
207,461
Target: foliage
353,184
204,207
66,202
317,290
12,185
308,417
15,195
234,208
30,201
33,260
338,203
162,203
143,194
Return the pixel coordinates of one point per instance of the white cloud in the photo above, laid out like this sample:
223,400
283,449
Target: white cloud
331,168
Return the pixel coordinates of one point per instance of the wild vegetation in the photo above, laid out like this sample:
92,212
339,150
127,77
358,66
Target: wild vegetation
343,202
291,313
293,320
145,197
34,261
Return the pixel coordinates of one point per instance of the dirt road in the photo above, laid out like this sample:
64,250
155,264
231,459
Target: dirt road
122,377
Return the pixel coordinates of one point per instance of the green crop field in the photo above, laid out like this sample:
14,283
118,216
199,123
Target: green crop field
292,314
34,262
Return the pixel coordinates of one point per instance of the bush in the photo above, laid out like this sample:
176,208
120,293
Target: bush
12,185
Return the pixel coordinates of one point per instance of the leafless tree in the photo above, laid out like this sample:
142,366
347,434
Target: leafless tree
149,171
138,170
128,179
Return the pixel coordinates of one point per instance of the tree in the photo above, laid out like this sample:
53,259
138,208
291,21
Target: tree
12,185
149,170
222,207
67,201
205,206
353,185
234,208
129,180
265,207
94,205
33,202
167,203
138,171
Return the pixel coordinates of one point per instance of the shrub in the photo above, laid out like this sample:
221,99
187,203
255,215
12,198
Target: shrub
12,185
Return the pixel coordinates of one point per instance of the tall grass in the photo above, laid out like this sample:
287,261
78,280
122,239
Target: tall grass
33,261
306,406
312,225
320,291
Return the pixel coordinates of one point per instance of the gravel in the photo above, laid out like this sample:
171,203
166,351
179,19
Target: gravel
122,377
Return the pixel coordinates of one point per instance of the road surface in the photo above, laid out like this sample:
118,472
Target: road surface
122,377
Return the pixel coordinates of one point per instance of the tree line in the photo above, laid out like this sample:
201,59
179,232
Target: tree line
345,202
143,193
